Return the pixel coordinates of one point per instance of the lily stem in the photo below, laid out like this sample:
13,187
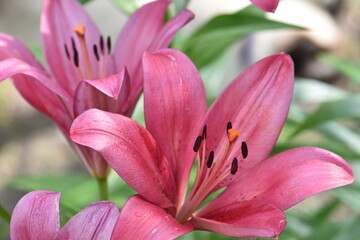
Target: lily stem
4,214
103,188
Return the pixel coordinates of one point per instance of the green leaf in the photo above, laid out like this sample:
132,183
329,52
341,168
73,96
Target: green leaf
350,70
350,231
52,183
77,191
315,91
213,38
326,231
129,6
340,109
84,1
338,133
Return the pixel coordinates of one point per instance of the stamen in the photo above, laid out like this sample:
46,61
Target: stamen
197,143
233,135
73,44
67,52
204,133
108,44
101,42
96,52
234,166
76,58
210,159
80,30
76,54
229,126
244,149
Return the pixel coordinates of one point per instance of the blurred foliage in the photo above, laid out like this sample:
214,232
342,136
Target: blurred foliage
214,37
84,1
350,70
321,115
129,6
180,4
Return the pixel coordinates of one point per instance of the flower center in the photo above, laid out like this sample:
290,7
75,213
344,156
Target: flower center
100,55
212,170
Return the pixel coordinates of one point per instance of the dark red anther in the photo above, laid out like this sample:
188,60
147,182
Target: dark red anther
76,58
244,149
234,166
197,143
101,43
67,52
204,133
76,54
228,126
108,44
96,52
210,159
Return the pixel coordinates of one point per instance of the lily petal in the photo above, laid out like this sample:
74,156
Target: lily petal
145,31
12,48
142,220
30,214
287,178
266,5
169,30
175,99
96,221
257,103
130,150
249,219
137,35
58,19
13,66
38,89
108,94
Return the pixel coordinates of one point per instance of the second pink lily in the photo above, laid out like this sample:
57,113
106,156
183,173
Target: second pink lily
86,71
231,141
266,5
37,217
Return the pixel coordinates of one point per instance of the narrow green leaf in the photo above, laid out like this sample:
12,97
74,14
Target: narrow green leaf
129,6
350,70
315,91
338,133
340,109
210,41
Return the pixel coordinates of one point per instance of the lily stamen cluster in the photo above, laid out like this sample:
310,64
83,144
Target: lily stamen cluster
100,56
218,168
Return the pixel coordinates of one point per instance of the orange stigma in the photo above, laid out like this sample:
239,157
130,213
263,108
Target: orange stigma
80,30
233,135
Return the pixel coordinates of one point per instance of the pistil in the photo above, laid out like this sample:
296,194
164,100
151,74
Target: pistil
80,32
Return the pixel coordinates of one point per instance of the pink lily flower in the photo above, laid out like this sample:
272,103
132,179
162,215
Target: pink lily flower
231,142
86,71
36,216
266,5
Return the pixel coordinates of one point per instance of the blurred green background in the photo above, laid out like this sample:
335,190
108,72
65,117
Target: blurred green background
222,42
